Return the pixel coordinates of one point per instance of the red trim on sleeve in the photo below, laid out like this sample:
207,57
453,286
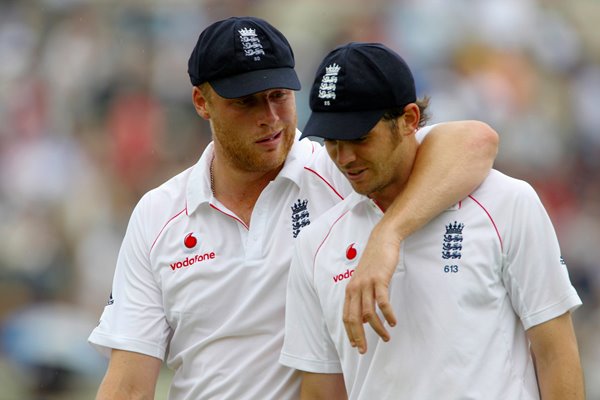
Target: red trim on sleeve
324,239
164,226
324,180
491,219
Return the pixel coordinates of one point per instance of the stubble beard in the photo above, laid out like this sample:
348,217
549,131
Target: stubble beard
244,156
382,173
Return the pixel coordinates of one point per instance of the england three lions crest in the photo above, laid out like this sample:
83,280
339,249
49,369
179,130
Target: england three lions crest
251,43
300,216
452,244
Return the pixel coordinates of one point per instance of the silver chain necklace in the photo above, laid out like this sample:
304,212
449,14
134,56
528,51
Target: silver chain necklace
212,175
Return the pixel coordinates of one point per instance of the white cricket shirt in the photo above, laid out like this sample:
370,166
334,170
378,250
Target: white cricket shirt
195,285
467,287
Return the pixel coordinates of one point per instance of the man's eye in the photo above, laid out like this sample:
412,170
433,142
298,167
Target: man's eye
278,95
244,101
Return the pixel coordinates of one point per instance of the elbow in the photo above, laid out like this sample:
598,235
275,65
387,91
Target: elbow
485,140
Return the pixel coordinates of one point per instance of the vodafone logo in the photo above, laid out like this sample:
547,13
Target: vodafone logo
351,252
345,275
190,241
189,261
190,245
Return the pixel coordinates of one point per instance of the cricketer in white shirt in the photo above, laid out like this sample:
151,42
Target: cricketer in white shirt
195,286
467,287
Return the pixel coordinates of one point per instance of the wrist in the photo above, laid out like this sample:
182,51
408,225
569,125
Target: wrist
388,233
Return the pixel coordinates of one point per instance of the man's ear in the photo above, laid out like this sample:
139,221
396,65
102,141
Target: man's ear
411,118
200,102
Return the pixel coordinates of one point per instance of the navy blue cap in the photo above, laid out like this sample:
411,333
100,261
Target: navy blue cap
354,86
240,56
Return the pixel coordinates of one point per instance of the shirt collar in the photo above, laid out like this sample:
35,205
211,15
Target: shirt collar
300,154
198,188
358,198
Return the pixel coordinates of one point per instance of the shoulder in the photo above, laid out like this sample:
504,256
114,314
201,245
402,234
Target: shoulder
170,193
505,188
314,234
162,204
320,171
508,202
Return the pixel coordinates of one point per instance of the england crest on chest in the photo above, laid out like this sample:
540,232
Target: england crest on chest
452,244
300,216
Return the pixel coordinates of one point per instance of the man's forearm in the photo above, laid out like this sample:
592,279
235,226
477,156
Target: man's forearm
130,376
563,380
322,386
556,354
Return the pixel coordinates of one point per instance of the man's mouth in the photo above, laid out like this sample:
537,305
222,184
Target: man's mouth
355,173
271,138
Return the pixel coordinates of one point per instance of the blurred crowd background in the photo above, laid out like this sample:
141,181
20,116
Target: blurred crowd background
95,110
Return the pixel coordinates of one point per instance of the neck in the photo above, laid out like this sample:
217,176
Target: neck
227,179
237,189
387,194
383,199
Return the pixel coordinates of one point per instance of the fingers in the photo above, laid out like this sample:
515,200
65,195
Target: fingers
383,302
360,308
357,332
367,290
353,320
352,323
370,315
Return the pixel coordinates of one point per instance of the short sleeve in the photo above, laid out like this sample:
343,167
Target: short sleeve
134,318
534,272
307,344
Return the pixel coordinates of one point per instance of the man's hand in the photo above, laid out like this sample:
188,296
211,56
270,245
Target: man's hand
369,286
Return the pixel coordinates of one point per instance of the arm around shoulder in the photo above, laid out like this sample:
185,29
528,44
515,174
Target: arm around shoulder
453,159
130,376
